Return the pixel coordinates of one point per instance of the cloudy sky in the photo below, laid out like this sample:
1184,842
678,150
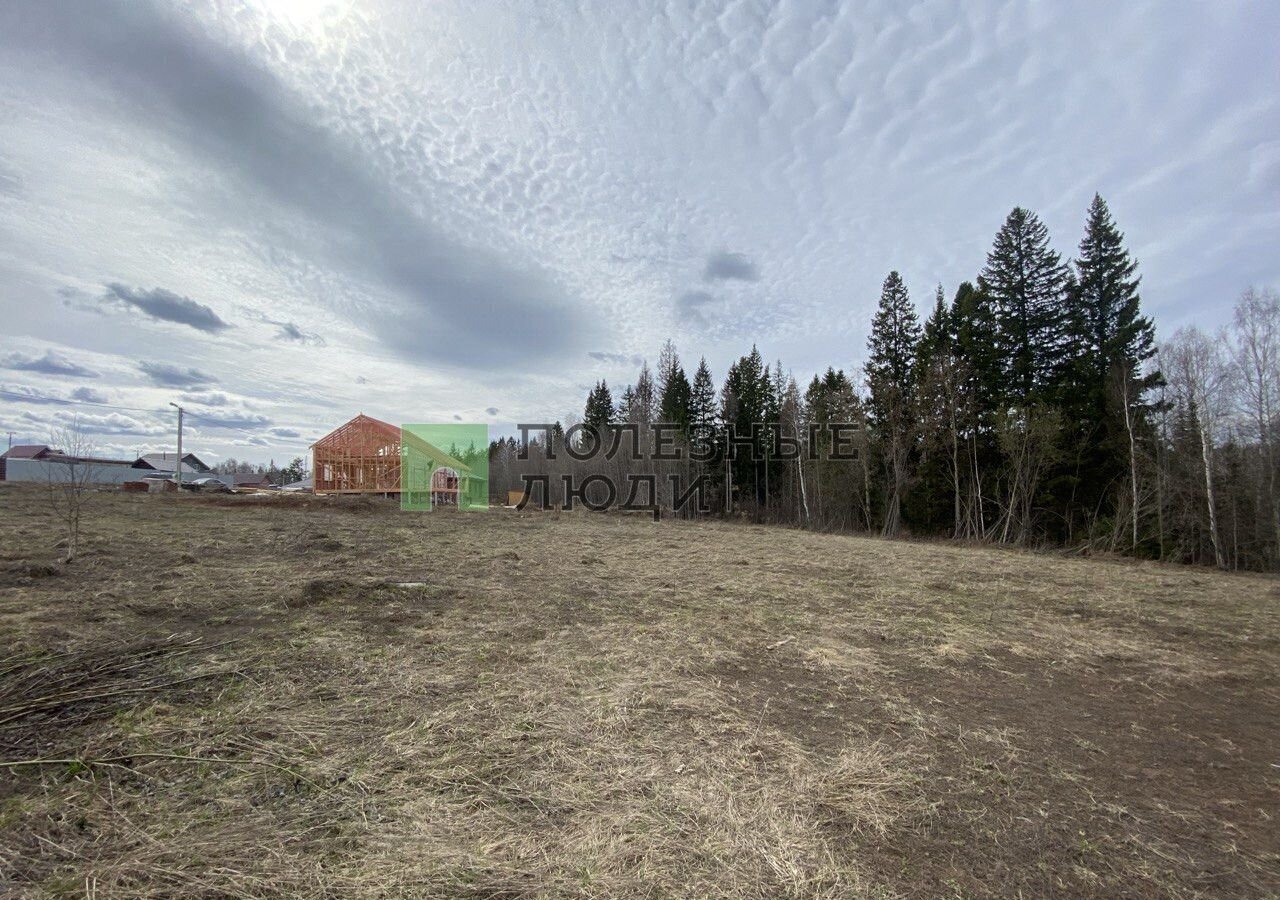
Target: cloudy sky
281,214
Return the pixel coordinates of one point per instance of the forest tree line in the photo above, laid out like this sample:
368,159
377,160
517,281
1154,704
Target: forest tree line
1033,407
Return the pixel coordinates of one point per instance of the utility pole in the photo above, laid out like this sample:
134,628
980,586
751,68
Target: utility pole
10,440
178,468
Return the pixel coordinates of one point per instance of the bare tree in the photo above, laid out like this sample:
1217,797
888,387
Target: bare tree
1193,362
945,418
1126,393
1256,327
70,481
1026,438
791,419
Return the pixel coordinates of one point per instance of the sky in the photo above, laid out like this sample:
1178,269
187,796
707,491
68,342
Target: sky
279,214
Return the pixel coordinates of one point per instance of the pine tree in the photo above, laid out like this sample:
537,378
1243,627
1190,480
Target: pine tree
1025,279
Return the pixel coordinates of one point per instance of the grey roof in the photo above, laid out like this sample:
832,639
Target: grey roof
165,462
26,451
94,460
245,477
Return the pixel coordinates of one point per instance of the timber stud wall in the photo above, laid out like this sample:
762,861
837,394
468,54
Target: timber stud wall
361,457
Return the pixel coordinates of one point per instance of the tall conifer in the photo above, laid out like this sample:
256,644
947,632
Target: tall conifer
1025,280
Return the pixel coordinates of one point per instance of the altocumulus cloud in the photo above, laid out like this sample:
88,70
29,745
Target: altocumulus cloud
167,375
243,119
49,364
305,167
167,306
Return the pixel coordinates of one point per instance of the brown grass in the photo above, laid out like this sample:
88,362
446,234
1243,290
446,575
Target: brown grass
248,698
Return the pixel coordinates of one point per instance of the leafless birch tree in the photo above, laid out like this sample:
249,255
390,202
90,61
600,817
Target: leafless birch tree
1193,363
70,482
1256,328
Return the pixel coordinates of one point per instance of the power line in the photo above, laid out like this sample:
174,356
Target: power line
62,401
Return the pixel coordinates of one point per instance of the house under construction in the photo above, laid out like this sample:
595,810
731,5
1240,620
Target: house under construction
369,456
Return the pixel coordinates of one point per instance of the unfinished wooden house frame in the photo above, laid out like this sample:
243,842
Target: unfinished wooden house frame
366,456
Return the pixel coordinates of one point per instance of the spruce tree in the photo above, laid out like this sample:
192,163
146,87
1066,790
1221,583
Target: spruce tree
626,405
935,338
599,411
1108,324
980,374
892,378
973,320
892,345
932,501
1025,279
1110,340
702,400
777,389
673,389
675,400
644,403
747,399
839,486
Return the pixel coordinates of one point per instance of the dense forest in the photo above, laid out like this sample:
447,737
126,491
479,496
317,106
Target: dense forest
1034,407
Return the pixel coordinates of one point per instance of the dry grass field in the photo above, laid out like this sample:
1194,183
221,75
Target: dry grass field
248,697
